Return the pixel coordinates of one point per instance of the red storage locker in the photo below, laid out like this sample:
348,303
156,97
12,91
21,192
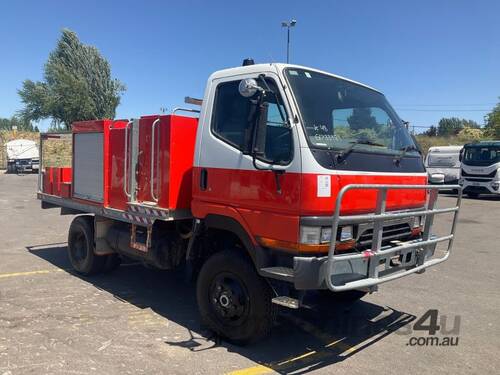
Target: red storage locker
66,190
177,137
97,151
174,141
47,180
56,181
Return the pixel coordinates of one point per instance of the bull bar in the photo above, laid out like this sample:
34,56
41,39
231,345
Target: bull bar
415,256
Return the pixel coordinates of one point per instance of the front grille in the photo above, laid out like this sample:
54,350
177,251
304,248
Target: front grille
478,179
476,189
489,175
390,232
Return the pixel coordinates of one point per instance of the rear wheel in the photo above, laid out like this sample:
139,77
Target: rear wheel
234,301
81,246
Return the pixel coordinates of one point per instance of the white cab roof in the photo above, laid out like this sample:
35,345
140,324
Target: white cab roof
275,68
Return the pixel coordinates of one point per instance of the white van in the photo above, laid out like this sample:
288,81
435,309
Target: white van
481,168
22,155
443,164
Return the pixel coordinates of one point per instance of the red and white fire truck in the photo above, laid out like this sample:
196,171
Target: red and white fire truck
287,180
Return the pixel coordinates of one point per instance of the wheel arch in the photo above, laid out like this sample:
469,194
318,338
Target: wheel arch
235,229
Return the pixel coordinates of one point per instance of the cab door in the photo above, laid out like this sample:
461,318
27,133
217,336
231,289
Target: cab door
233,179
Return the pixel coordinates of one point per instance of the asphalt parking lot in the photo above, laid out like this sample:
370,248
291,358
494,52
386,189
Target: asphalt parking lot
138,320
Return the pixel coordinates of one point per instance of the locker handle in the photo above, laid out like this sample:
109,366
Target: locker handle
154,176
125,161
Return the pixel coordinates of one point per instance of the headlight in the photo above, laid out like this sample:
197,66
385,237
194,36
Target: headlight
321,235
326,234
346,233
310,235
417,221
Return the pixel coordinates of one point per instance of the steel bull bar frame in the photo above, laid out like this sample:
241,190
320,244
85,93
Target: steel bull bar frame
415,255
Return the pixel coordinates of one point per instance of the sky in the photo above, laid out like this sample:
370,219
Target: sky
432,59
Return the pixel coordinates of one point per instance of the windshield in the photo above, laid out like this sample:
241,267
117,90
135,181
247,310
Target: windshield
338,113
435,159
477,155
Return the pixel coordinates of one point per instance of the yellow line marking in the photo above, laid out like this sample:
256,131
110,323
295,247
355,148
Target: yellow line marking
29,273
255,370
329,343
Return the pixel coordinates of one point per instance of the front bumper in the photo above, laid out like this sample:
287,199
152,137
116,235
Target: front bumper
366,269
483,187
311,272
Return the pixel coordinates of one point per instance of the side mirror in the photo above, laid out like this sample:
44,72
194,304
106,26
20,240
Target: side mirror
461,155
248,87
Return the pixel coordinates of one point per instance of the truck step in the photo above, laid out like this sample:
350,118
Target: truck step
143,204
280,273
289,302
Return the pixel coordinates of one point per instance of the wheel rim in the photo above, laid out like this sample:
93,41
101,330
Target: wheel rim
79,248
229,299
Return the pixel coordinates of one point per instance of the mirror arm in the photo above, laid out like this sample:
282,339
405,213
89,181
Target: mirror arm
285,120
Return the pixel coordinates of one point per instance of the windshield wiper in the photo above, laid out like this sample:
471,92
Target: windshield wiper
403,151
342,156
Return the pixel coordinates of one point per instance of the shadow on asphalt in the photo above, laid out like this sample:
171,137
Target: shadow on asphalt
302,341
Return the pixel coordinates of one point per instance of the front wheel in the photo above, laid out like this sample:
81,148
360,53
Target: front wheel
234,301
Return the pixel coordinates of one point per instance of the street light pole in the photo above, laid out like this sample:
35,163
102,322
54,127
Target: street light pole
288,25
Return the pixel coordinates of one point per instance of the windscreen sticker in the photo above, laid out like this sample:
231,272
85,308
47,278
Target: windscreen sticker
324,186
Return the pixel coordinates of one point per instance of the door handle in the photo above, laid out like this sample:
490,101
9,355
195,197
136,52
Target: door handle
203,179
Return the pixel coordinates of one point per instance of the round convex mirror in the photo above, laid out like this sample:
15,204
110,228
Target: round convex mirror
248,87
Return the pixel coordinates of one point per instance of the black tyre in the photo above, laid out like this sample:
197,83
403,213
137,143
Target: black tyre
81,246
348,296
234,301
473,195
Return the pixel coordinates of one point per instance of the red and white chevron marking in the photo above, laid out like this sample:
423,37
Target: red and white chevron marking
148,211
138,219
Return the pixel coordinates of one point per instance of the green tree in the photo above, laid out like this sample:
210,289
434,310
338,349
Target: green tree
449,126
361,118
431,132
452,126
77,86
21,124
492,123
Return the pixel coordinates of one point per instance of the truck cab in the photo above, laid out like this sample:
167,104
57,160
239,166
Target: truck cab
480,168
313,134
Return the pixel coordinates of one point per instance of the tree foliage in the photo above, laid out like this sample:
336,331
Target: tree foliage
492,123
77,86
432,131
21,124
453,126
361,118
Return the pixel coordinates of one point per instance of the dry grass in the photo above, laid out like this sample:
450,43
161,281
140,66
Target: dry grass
56,152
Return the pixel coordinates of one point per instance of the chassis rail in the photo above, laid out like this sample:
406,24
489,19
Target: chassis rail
415,255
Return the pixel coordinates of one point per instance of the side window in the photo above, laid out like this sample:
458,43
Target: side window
232,123
230,118
278,135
